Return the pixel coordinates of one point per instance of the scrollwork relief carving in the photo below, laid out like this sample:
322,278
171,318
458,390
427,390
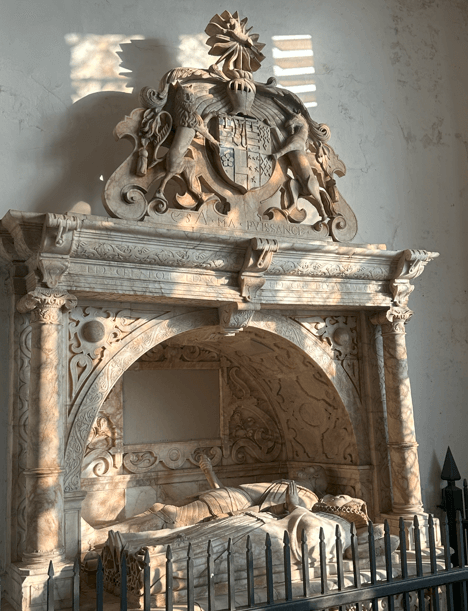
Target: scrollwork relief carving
100,452
174,257
252,430
171,456
23,356
168,353
140,462
318,269
340,333
253,433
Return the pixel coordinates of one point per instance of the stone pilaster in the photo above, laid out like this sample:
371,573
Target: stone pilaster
402,445
46,426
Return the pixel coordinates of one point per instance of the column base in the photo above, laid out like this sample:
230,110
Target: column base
394,523
26,586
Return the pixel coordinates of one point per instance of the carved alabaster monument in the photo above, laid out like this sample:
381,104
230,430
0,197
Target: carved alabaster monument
227,254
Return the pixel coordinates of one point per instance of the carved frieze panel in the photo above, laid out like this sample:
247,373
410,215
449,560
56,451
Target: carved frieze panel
173,456
169,256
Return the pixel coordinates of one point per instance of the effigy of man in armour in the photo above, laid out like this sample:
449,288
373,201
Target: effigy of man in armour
219,501
248,512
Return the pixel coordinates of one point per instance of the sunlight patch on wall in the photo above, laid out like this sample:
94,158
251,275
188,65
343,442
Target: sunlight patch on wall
193,51
294,66
94,63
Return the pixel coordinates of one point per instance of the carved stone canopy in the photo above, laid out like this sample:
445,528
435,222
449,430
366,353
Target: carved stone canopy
215,148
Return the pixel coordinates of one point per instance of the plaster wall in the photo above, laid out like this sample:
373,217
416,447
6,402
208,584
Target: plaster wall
392,84
186,404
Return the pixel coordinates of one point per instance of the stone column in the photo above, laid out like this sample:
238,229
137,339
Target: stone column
404,464
46,426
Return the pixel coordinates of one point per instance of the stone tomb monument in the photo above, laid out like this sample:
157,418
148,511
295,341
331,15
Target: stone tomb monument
227,256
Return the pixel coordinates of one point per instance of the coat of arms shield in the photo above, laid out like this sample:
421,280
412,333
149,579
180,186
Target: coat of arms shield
245,159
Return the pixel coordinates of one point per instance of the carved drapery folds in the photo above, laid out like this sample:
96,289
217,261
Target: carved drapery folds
44,473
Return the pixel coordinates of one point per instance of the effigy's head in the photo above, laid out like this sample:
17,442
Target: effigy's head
344,506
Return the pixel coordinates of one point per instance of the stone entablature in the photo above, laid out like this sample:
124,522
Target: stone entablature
113,257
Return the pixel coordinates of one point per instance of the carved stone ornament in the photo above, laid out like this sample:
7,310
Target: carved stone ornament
340,334
45,305
410,265
217,147
236,316
258,259
394,317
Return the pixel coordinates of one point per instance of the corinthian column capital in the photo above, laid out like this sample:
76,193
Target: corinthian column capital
46,304
392,320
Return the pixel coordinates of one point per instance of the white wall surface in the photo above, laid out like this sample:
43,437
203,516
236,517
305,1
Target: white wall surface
171,405
392,83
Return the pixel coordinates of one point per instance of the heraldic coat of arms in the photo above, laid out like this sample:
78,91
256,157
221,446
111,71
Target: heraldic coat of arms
214,147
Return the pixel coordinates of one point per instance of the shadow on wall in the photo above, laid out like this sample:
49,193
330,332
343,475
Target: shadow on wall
86,153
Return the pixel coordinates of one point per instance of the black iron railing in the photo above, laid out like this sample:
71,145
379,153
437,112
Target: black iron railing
437,580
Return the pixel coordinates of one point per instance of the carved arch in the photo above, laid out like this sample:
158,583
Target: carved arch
156,331
101,382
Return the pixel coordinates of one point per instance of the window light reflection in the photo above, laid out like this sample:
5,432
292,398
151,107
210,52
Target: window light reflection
294,65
